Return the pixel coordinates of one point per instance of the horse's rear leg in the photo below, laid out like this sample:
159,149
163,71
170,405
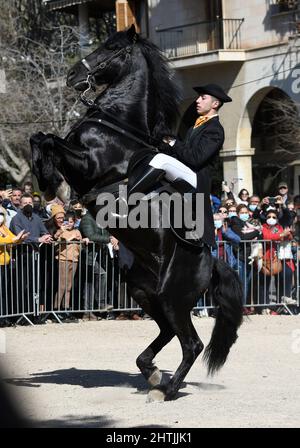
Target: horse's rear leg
191,346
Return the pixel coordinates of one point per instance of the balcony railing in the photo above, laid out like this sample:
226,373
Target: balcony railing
200,37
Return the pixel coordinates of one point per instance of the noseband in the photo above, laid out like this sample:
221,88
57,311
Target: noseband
104,64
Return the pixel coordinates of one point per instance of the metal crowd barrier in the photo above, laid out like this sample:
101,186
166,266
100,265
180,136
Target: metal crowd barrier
73,277
262,291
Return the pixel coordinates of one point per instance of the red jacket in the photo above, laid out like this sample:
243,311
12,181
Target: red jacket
273,233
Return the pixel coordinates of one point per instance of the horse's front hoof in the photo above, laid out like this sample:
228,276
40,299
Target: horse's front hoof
157,394
155,378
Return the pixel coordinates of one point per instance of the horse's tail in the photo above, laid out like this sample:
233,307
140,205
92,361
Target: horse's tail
227,295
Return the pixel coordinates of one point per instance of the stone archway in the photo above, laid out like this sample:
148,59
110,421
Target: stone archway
275,139
239,162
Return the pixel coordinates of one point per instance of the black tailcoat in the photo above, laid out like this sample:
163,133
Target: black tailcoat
199,152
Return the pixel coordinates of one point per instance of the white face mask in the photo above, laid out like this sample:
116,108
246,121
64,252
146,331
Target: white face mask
1,219
271,221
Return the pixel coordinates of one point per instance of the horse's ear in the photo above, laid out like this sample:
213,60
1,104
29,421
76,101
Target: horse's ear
132,34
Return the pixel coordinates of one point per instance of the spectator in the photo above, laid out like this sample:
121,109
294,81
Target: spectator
77,207
232,211
215,203
241,226
224,234
241,198
49,271
273,231
6,238
15,199
68,257
283,191
254,202
5,201
28,187
229,203
37,233
37,207
93,273
223,212
26,220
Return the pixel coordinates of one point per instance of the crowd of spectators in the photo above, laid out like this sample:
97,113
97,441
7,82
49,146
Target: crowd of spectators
256,236
73,271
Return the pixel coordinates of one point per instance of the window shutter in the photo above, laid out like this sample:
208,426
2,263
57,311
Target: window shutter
126,14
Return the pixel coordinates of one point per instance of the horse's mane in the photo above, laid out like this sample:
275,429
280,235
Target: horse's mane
166,91
163,87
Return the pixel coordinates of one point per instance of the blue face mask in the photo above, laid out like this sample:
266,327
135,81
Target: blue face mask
253,207
244,216
218,224
231,214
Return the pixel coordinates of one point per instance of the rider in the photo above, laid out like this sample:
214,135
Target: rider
192,159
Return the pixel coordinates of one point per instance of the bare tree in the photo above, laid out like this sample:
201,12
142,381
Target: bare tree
282,127
36,98
36,56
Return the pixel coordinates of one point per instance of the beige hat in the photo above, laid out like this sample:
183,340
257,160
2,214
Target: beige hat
56,208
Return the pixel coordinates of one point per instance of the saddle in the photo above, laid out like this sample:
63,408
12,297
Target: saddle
138,164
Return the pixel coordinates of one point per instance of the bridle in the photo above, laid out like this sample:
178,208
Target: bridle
90,80
113,122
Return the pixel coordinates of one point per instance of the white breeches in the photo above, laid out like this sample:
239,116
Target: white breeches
174,169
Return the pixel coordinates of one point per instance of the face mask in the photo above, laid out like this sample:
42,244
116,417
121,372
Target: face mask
1,219
253,207
231,214
218,224
27,210
271,221
244,216
36,206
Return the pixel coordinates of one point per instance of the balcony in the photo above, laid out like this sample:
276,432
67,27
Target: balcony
201,37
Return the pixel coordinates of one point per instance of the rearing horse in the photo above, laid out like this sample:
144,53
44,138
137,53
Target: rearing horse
137,108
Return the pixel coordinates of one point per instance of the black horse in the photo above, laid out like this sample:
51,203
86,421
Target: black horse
138,107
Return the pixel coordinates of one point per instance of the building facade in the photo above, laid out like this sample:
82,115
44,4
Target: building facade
251,49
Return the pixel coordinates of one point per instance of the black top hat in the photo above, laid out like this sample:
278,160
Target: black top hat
214,90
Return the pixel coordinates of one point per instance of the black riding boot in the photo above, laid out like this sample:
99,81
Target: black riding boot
146,181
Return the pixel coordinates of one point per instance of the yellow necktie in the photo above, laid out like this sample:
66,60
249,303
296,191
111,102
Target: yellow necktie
200,120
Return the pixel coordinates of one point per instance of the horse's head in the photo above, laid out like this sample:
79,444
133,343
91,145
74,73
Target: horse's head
137,75
105,65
